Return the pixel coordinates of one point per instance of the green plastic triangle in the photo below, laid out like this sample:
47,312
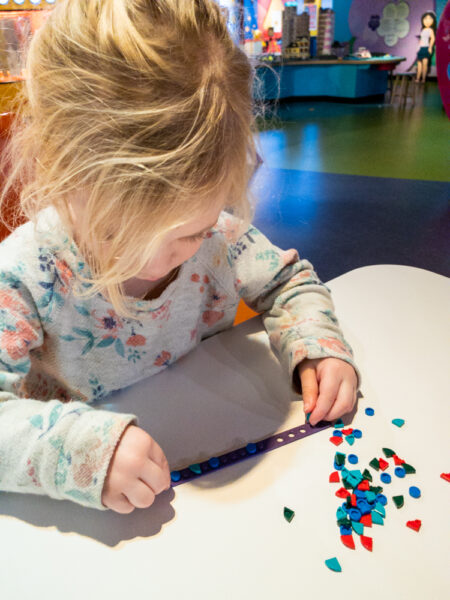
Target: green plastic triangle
333,564
398,501
367,475
375,464
350,439
388,452
358,527
377,518
398,422
408,468
288,514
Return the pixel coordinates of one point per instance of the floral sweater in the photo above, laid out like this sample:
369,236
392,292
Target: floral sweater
61,351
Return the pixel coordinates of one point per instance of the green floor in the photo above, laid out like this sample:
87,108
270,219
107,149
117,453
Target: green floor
362,139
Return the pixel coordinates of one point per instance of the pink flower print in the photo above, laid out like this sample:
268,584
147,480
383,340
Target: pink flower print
163,359
32,473
111,323
65,274
136,340
12,303
333,344
16,342
194,334
195,277
211,317
206,279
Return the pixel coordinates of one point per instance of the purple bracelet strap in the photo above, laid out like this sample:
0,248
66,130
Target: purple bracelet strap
230,458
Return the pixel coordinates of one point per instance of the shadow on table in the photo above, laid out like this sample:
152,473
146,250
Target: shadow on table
106,527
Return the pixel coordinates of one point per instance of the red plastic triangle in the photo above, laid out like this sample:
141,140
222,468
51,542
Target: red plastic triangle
367,542
414,524
342,493
353,497
398,461
334,477
348,541
383,464
347,431
366,520
364,486
336,440
445,476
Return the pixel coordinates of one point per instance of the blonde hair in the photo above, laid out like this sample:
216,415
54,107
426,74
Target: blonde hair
146,107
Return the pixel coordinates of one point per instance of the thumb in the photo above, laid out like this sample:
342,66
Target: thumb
310,388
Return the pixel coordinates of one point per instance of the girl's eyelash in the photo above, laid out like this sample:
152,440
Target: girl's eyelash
196,238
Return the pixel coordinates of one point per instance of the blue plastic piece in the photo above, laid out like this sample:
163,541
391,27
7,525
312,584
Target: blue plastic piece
214,462
400,472
251,448
380,508
338,467
358,527
370,496
398,422
337,433
381,499
360,494
370,412
333,564
352,458
354,514
340,513
385,478
377,518
345,530
175,476
414,492
363,506
307,417
357,433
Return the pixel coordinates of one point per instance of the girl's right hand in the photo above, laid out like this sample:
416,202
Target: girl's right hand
138,472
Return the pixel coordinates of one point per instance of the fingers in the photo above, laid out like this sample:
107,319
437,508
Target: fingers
119,504
329,387
140,495
156,454
345,401
310,387
156,478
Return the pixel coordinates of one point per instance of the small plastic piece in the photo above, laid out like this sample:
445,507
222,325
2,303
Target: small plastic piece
347,431
307,417
345,522
336,440
408,468
358,527
339,424
369,412
333,564
214,462
345,530
340,513
364,508
354,500
388,452
385,478
364,486
416,525
381,498
350,439
375,464
196,468
383,464
377,518
367,475
337,433
288,514
398,461
354,514
376,489
398,501
366,520
334,477
400,472
342,493
445,476
371,496
414,492
339,458
398,422
380,509
367,542
175,476
251,448
357,433
348,541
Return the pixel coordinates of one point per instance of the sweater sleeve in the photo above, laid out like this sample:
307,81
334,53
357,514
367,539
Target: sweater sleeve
298,312
61,449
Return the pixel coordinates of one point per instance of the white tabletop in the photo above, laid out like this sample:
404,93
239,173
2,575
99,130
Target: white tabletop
223,536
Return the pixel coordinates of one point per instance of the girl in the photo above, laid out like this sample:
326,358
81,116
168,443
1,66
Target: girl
133,154
426,45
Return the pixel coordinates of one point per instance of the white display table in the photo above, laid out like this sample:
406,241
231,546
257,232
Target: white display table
223,536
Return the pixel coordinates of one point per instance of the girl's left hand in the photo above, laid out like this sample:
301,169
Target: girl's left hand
329,387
